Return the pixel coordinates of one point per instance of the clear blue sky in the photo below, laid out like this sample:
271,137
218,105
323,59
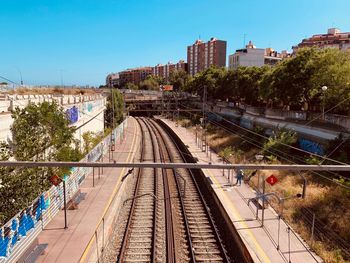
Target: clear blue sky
85,39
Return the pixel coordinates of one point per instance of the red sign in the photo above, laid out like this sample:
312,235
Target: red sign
55,180
271,179
167,87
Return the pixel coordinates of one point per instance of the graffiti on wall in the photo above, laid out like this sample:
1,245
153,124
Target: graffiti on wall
246,123
311,146
73,114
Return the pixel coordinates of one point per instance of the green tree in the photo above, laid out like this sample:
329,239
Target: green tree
114,108
40,132
91,139
226,153
150,83
211,78
179,79
290,81
248,84
131,86
160,80
276,144
333,71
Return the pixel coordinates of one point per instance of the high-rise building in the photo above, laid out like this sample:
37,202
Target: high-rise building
333,39
201,56
252,56
135,75
164,71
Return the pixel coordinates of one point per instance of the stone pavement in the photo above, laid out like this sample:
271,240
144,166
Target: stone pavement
262,242
68,245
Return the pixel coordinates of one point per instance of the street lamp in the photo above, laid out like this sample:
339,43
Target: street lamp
324,88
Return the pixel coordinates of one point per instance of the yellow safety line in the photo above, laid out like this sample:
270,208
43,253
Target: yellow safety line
237,215
82,258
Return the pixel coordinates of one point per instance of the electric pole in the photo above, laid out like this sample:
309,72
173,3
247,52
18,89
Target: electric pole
204,138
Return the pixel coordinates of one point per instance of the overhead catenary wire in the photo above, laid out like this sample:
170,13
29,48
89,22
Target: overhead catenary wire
265,137
256,144
284,158
248,139
13,82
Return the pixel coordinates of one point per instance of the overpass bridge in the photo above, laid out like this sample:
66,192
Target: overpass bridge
148,103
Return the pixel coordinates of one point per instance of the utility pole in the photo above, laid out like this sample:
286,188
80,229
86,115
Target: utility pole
204,136
112,135
177,110
20,74
162,89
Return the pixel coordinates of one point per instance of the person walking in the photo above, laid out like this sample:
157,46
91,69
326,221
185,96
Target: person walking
239,176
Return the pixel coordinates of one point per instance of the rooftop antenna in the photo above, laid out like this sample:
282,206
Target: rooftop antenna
244,35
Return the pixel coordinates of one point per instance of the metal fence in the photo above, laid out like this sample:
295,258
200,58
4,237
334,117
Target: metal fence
19,232
319,231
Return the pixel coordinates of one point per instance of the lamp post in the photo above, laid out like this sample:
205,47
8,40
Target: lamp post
324,88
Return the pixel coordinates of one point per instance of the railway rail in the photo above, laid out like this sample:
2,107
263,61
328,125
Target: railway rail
139,242
169,219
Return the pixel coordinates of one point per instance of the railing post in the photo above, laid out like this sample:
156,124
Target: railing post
313,227
93,176
263,202
65,204
258,192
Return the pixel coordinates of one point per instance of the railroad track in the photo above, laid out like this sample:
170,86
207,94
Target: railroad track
204,242
139,242
169,219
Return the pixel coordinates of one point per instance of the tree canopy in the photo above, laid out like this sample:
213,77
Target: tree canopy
150,83
118,105
295,83
131,86
179,79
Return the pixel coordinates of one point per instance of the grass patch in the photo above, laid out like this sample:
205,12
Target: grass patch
329,203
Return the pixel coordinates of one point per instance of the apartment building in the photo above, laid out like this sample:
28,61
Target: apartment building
112,80
135,75
253,56
333,39
164,71
202,55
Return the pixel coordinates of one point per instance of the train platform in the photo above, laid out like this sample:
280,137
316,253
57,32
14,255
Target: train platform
263,243
73,244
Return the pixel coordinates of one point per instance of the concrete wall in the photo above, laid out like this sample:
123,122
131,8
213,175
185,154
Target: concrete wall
312,139
89,111
277,114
